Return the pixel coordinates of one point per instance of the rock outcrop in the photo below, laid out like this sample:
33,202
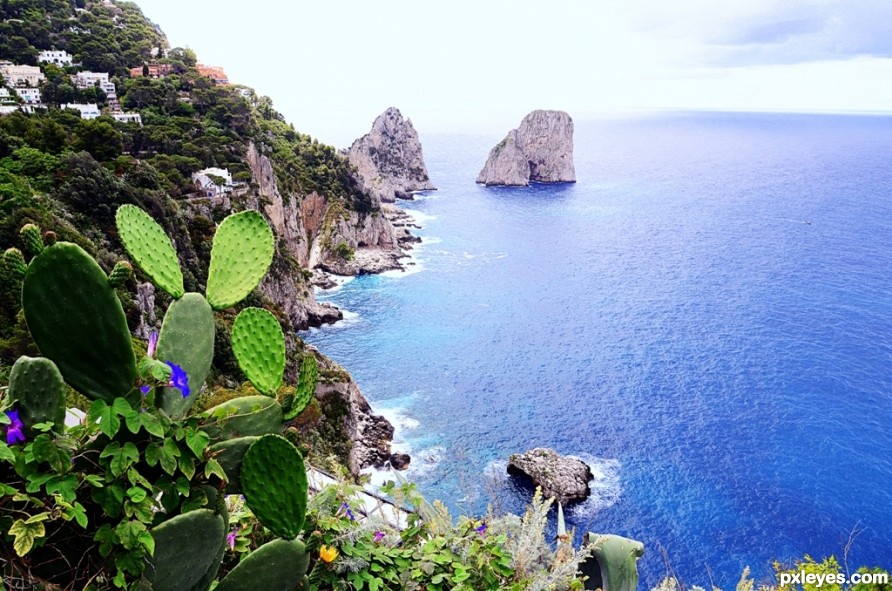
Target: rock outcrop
539,151
388,159
565,479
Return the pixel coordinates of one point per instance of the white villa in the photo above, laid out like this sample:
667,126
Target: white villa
87,79
208,181
30,96
128,118
87,110
21,75
60,58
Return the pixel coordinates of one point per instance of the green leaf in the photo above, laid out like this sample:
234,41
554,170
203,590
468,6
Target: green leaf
136,494
148,542
109,423
93,480
187,466
6,454
153,454
25,535
78,513
152,424
128,533
213,467
197,442
107,539
170,451
133,420
63,487
137,479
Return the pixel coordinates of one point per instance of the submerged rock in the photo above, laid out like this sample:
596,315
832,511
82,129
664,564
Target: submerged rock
540,150
565,479
388,159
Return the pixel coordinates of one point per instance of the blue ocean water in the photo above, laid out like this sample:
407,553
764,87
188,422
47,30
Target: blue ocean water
705,317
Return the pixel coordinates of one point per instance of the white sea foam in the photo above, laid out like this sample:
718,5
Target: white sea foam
349,319
412,266
419,217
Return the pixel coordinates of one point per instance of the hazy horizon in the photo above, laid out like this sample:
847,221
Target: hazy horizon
484,65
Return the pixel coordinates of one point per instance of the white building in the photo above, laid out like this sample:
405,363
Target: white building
128,118
213,181
108,88
87,79
30,96
21,75
4,94
60,58
88,110
7,109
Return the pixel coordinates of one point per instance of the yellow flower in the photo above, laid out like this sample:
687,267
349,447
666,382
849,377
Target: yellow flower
327,553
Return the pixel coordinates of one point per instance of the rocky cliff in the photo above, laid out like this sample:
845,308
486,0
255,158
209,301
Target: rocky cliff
388,159
540,150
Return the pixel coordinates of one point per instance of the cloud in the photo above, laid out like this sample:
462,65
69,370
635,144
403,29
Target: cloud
764,32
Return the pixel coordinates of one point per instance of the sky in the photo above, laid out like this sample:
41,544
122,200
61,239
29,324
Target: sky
332,66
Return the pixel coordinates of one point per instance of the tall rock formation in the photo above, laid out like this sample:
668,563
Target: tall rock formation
388,159
539,151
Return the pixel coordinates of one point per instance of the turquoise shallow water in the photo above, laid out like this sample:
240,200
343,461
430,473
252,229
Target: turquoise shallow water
705,317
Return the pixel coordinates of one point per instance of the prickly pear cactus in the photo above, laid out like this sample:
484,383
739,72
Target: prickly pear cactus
31,239
76,320
613,564
121,273
150,247
241,417
38,390
259,347
185,549
274,482
306,387
186,339
276,566
230,454
241,254
14,265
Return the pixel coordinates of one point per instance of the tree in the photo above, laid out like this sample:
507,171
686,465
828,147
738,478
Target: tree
99,138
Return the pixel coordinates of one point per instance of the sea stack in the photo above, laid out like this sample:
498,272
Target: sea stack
539,151
388,159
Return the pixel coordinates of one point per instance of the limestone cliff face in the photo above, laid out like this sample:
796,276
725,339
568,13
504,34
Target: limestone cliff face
540,150
388,159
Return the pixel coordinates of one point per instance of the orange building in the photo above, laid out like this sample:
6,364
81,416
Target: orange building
215,73
155,70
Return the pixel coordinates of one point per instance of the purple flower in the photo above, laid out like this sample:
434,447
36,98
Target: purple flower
145,389
15,431
230,538
482,529
153,343
379,535
178,378
346,509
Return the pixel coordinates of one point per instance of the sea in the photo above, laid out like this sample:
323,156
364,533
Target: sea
705,318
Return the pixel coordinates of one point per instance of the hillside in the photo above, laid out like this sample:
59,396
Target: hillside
176,139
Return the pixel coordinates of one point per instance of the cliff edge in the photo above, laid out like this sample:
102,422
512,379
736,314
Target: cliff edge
388,159
540,151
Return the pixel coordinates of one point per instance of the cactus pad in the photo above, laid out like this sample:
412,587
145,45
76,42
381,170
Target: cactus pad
31,239
39,391
150,247
241,417
306,387
14,265
186,339
274,482
76,320
279,565
242,252
259,347
121,273
185,549
613,564
230,454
